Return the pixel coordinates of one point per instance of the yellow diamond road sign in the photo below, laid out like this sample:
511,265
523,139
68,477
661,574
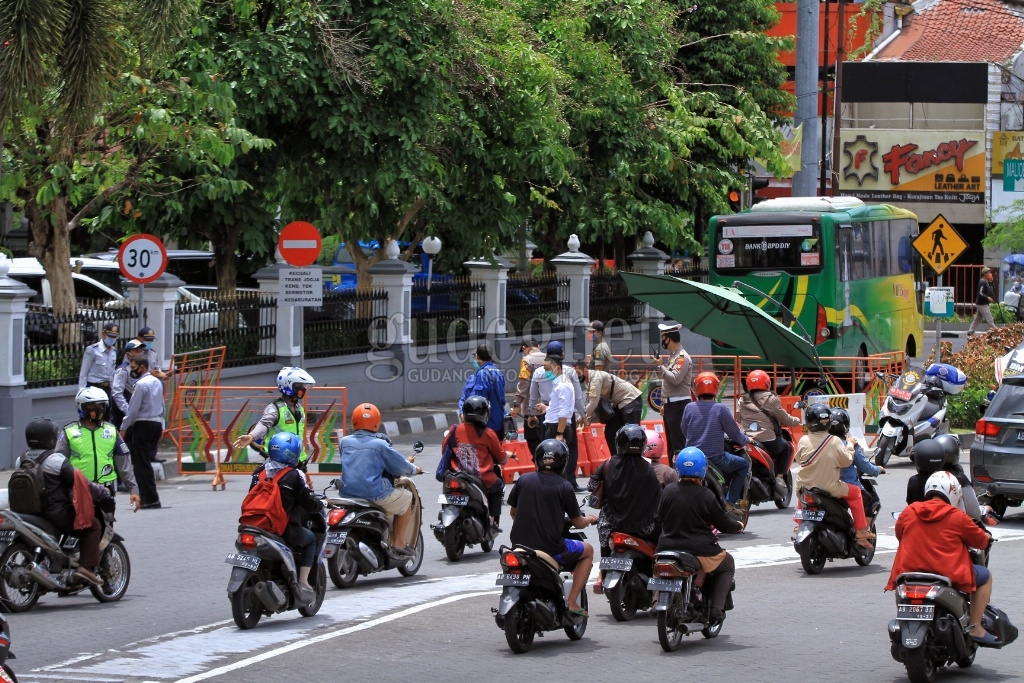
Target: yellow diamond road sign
940,245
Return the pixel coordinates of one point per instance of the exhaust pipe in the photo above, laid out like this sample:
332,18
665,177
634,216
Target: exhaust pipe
368,555
472,527
42,577
270,595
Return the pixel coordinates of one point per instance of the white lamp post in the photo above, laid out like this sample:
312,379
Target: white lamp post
431,247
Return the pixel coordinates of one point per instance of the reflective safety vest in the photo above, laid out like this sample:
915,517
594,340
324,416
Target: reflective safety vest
293,423
92,451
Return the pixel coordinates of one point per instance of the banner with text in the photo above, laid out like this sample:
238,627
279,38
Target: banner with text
926,171
302,286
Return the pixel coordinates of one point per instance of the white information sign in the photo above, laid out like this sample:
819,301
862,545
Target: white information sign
939,302
302,286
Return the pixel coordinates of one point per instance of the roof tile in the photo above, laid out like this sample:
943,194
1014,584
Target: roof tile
966,31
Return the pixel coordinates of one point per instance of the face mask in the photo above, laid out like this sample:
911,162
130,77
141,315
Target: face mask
110,341
550,376
148,345
94,414
300,392
664,342
135,373
476,364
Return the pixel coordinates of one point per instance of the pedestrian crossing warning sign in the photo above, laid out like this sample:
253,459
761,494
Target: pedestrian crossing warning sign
940,245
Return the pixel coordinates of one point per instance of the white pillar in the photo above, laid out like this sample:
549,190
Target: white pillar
394,276
15,411
156,310
649,260
576,267
494,276
287,344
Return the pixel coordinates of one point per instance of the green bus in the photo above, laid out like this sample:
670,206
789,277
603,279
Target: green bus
846,269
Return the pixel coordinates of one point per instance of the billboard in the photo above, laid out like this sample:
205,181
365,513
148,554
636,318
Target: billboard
926,171
1007,171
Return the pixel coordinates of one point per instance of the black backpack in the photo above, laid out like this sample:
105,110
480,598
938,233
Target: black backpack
27,490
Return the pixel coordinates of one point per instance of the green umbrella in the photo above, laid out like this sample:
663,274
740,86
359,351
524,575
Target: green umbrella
722,314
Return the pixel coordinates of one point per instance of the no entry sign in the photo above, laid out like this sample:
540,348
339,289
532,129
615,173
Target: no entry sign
142,258
299,244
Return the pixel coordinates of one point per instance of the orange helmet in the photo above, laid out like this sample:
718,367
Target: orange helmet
758,379
366,416
706,384
655,447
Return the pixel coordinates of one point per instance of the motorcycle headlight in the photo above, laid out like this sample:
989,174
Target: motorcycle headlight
898,408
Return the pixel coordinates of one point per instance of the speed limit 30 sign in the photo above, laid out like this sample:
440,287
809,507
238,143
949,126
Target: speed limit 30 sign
142,258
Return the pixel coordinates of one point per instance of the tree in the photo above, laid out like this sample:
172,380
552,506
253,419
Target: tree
1009,234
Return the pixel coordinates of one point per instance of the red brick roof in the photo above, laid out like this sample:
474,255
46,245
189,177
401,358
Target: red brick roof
960,31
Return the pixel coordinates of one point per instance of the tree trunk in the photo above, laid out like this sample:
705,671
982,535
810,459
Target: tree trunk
227,277
51,244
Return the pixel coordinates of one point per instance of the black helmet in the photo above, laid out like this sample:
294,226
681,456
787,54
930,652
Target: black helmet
929,456
630,440
839,422
476,409
817,417
551,456
950,449
41,433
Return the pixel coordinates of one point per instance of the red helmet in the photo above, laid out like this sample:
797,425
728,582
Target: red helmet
758,379
706,384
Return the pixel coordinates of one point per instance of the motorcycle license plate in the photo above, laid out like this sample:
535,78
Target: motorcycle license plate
618,564
915,612
512,580
7,535
1020,437
336,537
669,585
250,562
811,515
901,394
446,499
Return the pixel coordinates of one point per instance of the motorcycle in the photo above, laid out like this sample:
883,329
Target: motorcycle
36,558
6,672
359,537
826,528
465,517
535,597
626,572
916,409
684,598
717,483
761,485
931,626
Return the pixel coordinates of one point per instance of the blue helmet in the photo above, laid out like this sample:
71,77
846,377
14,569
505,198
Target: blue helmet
285,447
691,462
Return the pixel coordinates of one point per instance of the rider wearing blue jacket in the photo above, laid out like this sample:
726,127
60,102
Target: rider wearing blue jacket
489,382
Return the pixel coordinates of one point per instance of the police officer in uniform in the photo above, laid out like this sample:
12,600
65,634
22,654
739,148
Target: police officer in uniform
284,414
602,356
676,371
124,384
94,446
99,361
533,358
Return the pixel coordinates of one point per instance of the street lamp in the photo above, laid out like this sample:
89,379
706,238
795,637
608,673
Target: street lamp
431,247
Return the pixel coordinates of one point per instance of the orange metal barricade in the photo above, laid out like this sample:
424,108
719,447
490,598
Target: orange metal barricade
213,417
191,369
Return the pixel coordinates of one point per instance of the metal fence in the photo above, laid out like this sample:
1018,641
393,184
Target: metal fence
964,281
610,299
243,321
536,305
688,269
54,344
452,311
349,322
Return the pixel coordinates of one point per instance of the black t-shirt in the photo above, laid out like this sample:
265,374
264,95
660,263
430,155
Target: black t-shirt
542,501
687,513
915,485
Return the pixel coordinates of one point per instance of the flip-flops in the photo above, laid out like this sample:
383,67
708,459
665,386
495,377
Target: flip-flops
987,639
581,613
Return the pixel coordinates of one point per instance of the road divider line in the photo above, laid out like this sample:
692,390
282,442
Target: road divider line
291,647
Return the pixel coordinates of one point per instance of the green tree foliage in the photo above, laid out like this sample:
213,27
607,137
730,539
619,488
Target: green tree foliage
1008,234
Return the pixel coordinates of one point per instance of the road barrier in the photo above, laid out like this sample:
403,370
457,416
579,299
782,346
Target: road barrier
213,417
191,370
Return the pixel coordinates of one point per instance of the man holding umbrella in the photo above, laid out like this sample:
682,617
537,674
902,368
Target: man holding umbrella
676,372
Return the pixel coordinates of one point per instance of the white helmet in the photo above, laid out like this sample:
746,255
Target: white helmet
945,483
90,395
289,377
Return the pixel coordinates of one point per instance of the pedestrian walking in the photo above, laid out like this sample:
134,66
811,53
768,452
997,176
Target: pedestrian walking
602,356
986,295
622,395
487,381
676,371
99,362
142,427
533,358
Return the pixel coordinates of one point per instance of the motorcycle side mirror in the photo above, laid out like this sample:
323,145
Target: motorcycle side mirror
799,405
754,427
418,447
333,482
895,514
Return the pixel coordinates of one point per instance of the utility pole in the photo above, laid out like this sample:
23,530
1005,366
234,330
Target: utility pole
824,108
807,95
837,99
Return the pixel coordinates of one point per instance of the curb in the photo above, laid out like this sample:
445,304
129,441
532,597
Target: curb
418,425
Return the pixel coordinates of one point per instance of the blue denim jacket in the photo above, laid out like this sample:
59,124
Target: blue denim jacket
860,464
364,460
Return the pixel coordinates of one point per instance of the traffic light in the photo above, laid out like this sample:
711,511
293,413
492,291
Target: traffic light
735,202
755,185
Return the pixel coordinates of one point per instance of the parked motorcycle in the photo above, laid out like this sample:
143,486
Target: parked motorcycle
626,572
265,578
359,537
684,598
826,528
931,626
36,558
916,409
465,518
535,597
6,672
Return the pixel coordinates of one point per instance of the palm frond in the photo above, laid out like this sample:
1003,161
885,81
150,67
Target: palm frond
158,24
32,30
89,57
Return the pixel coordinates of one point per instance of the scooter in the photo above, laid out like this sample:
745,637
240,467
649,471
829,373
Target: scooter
535,597
761,485
684,598
826,528
626,572
264,577
36,558
359,537
916,409
465,517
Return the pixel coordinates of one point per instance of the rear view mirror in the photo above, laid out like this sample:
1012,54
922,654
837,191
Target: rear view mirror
418,447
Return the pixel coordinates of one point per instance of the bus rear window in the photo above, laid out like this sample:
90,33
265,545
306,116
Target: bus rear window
792,248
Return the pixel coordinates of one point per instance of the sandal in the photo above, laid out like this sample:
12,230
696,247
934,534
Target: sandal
581,613
598,589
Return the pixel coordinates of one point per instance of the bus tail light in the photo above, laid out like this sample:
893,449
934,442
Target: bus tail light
821,326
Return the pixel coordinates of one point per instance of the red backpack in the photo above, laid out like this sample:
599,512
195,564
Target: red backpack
262,507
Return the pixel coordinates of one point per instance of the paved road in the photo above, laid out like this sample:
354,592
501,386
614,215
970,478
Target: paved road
174,624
